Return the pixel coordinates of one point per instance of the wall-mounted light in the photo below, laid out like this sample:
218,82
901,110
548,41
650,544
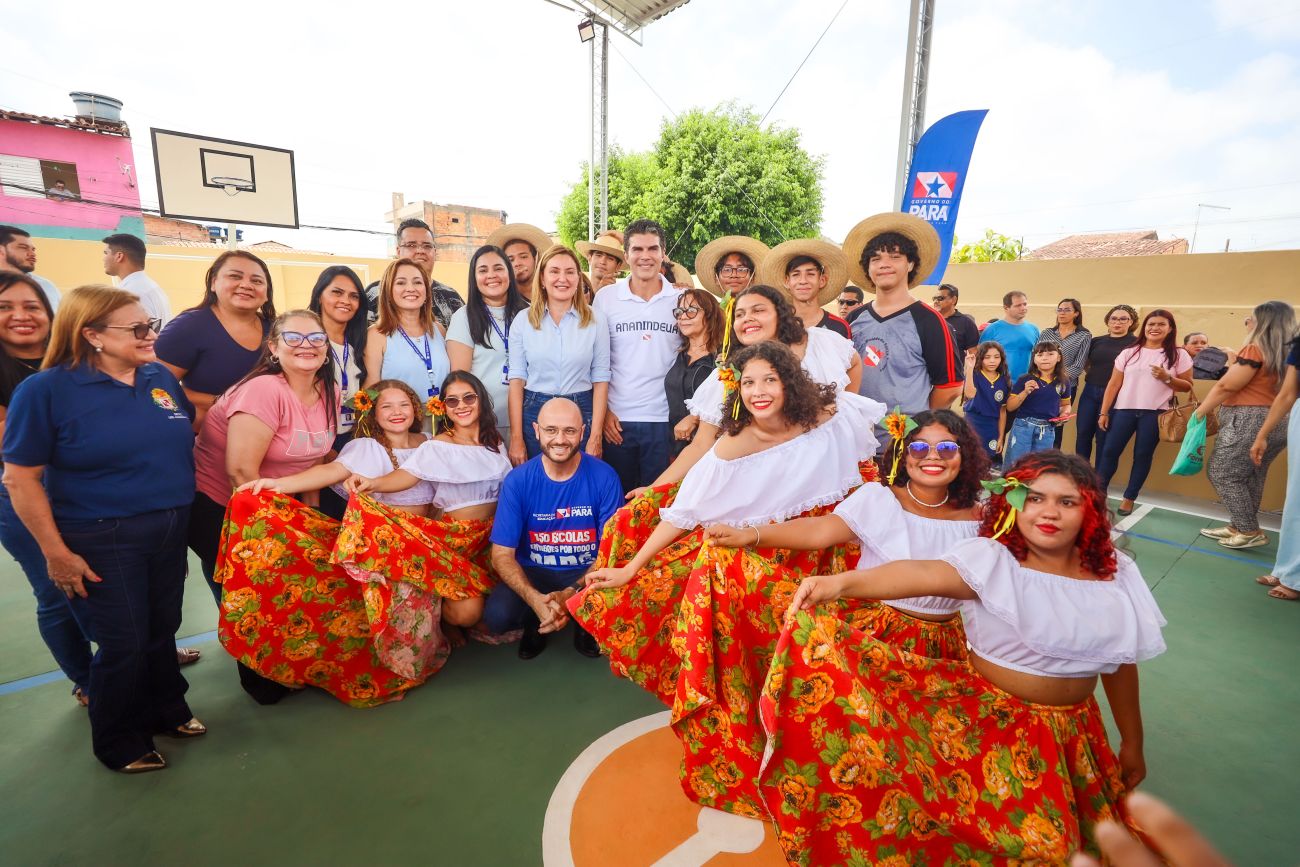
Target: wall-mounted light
586,30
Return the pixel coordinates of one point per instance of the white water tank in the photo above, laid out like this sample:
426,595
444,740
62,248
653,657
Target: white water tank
96,106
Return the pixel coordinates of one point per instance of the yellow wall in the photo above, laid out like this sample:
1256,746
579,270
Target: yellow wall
1210,292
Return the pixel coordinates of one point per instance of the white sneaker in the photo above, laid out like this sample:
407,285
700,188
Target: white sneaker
1244,540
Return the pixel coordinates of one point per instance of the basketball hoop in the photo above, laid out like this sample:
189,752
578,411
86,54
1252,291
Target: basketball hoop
233,186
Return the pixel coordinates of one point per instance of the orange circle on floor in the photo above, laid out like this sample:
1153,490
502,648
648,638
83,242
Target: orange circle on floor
631,811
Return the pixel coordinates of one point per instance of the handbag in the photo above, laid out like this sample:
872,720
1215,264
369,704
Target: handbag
1173,421
1191,455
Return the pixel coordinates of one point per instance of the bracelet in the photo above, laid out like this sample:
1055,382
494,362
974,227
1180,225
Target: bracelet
758,536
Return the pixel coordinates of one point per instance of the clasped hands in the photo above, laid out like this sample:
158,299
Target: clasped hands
551,610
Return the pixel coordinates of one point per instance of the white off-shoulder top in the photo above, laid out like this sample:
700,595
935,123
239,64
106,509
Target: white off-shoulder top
461,475
888,532
366,457
826,360
1050,625
816,468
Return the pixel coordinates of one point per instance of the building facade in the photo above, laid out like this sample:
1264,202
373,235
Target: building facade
458,230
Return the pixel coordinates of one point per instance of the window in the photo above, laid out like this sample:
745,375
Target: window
30,178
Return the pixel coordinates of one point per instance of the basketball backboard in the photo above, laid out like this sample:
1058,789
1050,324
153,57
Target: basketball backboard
213,179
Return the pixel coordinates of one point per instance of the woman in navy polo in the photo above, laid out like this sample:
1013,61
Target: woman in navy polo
98,452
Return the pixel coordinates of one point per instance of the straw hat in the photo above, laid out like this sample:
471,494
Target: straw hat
681,274
511,232
772,270
919,231
706,261
609,241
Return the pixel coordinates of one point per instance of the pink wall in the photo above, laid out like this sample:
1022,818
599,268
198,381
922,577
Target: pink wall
99,160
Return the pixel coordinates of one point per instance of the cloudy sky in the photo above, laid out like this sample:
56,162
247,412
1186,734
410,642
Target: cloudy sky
1103,116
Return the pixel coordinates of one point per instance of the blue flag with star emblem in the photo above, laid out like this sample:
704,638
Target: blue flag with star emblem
938,174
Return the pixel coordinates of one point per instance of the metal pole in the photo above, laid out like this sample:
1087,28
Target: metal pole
603,144
231,234
591,143
916,73
1197,226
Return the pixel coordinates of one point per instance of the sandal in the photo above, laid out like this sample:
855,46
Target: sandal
152,761
1267,581
1284,593
191,729
187,655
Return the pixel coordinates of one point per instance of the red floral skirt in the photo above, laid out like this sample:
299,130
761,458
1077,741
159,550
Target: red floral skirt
293,616
937,640
879,756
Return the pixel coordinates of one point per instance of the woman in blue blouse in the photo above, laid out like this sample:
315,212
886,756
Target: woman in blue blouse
1038,398
407,343
559,347
99,463
986,391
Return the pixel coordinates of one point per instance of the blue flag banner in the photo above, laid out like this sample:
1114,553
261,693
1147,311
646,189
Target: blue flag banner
938,176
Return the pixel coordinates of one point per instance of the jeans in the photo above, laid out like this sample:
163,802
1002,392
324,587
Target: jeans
533,402
1086,430
204,537
136,687
64,631
505,610
1124,423
1027,435
1287,567
643,454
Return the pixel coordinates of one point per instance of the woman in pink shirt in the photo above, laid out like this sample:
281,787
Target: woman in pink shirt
1147,375
278,420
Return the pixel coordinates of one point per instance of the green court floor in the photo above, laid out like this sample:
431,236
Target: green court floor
460,772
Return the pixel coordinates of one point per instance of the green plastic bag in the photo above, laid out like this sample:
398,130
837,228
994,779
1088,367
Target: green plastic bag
1191,456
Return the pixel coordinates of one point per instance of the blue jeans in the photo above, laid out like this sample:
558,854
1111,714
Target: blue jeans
505,610
1287,567
136,687
63,631
1086,430
1124,423
533,402
644,453
1027,435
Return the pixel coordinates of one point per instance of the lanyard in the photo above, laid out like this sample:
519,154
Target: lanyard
345,411
426,357
505,342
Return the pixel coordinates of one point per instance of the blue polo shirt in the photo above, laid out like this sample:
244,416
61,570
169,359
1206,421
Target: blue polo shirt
110,450
990,395
1017,342
556,525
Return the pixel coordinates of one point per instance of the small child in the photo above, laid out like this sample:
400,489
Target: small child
1041,401
988,386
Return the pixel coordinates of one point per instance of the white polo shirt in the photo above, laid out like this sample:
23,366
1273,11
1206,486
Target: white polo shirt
643,341
152,297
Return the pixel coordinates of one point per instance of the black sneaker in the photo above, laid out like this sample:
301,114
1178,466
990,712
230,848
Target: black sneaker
533,642
585,643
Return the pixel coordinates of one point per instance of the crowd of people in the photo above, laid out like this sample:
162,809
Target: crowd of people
879,623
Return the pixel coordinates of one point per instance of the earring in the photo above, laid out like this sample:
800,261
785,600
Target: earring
99,349
275,361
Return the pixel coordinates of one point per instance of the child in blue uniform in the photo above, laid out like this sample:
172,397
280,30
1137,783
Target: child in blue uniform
987,388
1038,398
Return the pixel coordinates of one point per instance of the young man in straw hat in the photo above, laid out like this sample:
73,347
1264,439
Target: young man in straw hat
729,264
812,272
522,243
643,343
909,356
605,256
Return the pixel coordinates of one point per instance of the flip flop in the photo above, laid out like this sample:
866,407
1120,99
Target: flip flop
1284,593
1267,581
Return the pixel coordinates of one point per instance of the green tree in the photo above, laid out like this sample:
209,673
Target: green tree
711,173
993,247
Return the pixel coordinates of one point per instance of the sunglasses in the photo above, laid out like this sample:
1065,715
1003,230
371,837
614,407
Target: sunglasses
945,449
848,302
140,330
316,339
687,312
470,399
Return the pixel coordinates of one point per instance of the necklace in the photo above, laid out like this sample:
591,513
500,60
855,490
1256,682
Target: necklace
908,488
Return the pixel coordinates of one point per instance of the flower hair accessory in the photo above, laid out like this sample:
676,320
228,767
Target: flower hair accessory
729,376
898,425
1015,492
363,401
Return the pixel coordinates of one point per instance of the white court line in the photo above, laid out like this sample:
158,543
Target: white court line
1128,523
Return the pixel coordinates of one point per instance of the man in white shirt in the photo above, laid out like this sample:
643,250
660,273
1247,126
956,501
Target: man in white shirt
124,259
18,253
643,341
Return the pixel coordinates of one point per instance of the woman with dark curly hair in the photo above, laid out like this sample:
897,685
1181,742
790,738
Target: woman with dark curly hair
1003,755
929,508
792,448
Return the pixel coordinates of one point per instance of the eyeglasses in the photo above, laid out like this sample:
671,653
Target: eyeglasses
316,339
411,245
1064,309
734,271
945,449
938,299
140,330
470,399
685,312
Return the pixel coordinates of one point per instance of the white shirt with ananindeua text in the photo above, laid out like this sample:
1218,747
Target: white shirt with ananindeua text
152,297
643,341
